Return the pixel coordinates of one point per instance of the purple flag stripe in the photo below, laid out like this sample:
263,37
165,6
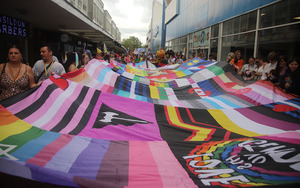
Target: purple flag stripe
271,122
88,162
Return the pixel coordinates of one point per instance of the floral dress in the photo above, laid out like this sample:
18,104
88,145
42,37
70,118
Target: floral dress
10,88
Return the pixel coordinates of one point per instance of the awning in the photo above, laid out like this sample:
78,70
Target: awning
58,15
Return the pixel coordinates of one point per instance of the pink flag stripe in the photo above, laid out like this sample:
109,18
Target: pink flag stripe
164,157
54,96
62,110
141,175
46,154
79,112
21,105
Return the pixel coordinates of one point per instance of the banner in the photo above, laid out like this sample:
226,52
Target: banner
114,125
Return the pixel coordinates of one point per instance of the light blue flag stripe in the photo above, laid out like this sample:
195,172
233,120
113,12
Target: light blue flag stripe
33,147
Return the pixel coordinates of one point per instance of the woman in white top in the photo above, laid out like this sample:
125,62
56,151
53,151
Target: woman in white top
171,60
247,70
258,71
272,58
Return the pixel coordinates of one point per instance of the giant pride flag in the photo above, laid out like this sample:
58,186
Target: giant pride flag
192,125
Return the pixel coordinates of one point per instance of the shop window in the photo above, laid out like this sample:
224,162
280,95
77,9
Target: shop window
236,25
95,19
169,43
182,48
280,13
228,27
79,4
243,42
101,18
191,38
214,47
72,2
248,22
172,42
240,24
84,6
283,40
215,31
183,40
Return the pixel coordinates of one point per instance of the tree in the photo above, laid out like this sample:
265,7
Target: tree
132,42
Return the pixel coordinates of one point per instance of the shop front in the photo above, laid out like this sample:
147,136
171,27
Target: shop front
255,33
201,42
60,42
13,31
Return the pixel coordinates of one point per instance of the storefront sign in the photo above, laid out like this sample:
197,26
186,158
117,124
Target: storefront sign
201,38
12,26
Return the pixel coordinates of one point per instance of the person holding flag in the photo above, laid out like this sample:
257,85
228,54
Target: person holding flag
47,66
99,54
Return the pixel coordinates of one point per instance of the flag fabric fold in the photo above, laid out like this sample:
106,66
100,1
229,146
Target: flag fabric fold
192,125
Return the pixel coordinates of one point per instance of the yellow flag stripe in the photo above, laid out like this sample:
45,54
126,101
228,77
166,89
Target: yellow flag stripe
14,128
225,79
180,74
227,124
202,133
154,92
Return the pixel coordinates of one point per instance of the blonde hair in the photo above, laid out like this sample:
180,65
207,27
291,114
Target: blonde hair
231,54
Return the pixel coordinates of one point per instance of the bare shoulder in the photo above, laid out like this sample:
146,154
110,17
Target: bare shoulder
29,70
1,68
29,67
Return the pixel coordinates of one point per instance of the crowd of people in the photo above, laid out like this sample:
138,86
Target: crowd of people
276,69
16,77
162,58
